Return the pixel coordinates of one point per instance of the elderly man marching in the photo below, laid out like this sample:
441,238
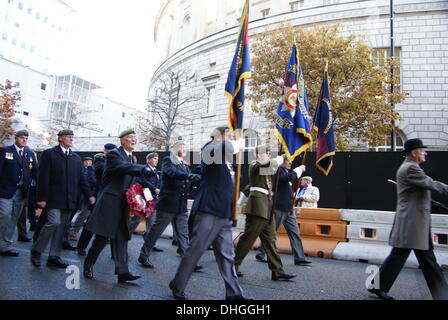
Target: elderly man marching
411,229
259,222
17,167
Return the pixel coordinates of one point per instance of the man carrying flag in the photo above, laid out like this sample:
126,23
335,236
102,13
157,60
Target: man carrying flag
323,124
292,125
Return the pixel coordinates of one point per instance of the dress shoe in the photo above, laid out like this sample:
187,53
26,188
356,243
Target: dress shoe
56,262
240,297
88,273
302,262
122,278
198,268
180,252
174,243
145,263
35,258
176,293
24,239
283,276
157,249
239,274
68,246
82,252
381,294
10,253
261,258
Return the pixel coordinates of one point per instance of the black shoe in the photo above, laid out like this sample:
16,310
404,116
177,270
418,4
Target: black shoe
240,297
68,246
180,252
210,248
88,273
176,293
35,258
10,253
261,258
24,239
198,268
122,278
239,274
82,252
56,262
381,294
302,262
145,263
284,276
157,249
174,243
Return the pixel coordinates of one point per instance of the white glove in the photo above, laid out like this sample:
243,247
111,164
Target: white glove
242,200
299,171
279,160
238,145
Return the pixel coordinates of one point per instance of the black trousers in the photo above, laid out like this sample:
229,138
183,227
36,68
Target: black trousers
431,270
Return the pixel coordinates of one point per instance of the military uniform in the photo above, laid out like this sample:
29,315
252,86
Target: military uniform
258,220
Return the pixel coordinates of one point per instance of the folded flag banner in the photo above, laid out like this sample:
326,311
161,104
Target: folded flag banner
323,124
292,124
239,71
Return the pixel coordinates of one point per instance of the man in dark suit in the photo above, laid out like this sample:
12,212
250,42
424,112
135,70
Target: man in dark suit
171,203
212,224
17,168
153,184
60,181
411,229
110,217
284,214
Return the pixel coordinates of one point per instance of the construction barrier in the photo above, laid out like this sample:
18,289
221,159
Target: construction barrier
368,233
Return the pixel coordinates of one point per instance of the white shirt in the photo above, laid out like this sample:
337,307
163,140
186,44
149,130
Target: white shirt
18,149
64,151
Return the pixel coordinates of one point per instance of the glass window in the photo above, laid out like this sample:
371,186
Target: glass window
296,5
14,41
38,15
211,94
5,36
17,25
380,56
32,49
43,86
29,11
20,5
265,12
23,45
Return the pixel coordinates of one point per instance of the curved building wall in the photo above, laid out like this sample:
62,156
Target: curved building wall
200,35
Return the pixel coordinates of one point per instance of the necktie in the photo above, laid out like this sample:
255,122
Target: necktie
130,158
66,153
20,154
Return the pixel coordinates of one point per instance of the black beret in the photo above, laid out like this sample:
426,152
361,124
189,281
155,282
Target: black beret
110,146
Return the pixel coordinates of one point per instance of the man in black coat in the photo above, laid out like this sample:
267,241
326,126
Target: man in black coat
284,214
172,202
110,217
59,183
17,168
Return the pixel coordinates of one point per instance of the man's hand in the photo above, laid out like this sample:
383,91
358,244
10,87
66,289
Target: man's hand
157,191
92,200
195,178
38,212
41,204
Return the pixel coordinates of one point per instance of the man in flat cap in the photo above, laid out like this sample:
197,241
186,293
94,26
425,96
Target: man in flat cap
110,218
171,205
259,219
411,229
17,168
60,181
153,184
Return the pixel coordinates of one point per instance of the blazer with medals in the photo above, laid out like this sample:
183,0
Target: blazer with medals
111,210
260,177
13,168
60,180
412,223
174,187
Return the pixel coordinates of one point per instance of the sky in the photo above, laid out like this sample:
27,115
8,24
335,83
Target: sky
112,45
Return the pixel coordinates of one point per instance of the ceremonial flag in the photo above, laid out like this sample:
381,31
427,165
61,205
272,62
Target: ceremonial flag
292,124
323,124
239,71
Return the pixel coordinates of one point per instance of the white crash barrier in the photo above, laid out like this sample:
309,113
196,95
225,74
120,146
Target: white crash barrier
368,234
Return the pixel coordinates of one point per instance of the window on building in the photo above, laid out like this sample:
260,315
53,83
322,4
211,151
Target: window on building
211,95
23,45
251,139
17,25
265,12
328,2
123,115
14,41
399,145
45,19
29,11
381,55
26,113
5,36
32,49
296,5
43,86
20,5
38,15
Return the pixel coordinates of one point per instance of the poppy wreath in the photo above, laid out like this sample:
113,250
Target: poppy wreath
138,204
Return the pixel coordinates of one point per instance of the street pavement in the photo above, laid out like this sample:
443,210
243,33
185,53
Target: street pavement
323,280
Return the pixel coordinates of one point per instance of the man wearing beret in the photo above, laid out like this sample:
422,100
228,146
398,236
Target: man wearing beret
171,204
411,229
60,181
110,217
17,169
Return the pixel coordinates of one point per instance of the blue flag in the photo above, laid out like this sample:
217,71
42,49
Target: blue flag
323,124
292,124
239,71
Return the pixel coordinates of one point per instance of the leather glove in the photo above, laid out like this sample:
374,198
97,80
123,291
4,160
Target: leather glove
195,178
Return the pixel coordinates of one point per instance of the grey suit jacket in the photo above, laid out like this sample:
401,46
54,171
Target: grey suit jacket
412,224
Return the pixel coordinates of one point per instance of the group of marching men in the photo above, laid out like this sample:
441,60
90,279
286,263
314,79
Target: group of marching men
67,185
62,181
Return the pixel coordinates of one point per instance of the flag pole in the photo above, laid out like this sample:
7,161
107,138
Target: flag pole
239,157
